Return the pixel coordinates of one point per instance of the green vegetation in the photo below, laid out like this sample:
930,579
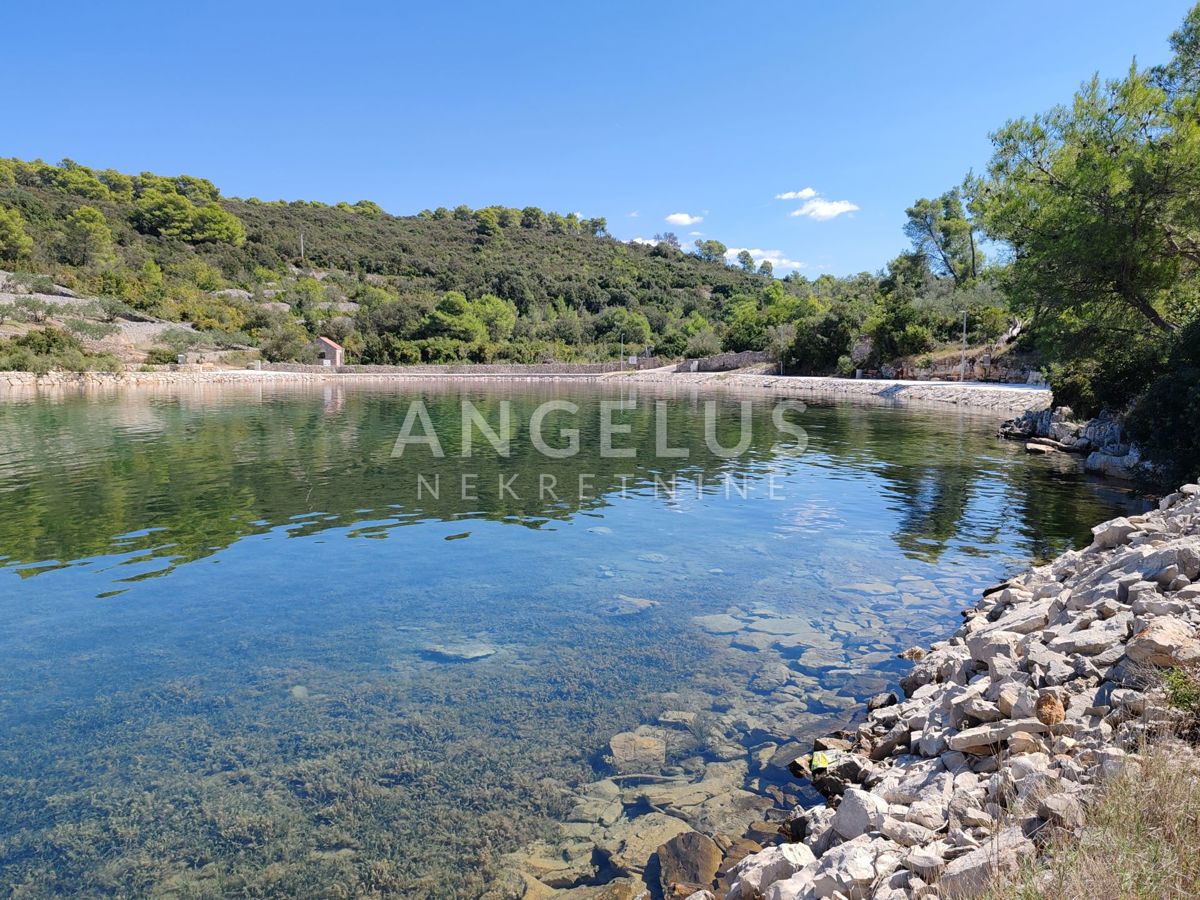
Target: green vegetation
466,284
1183,691
1133,845
44,349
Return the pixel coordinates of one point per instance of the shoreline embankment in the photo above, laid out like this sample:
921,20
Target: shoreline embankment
1007,731
987,397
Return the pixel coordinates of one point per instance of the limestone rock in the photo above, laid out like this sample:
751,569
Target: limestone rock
971,874
690,859
860,812
632,842
757,872
1164,642
634,752
1062,811
1113,533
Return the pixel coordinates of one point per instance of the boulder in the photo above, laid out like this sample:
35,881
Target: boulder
988,738
860,812
1112,533
972,874
635,752
1062,811
690,859
757,872
881,701
1164,642
631,843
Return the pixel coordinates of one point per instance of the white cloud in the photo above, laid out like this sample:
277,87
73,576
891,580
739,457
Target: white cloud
649,242
683,218
802,194
775,257
695,234
634,214
822,210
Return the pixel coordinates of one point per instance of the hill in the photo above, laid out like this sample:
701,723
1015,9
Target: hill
443,285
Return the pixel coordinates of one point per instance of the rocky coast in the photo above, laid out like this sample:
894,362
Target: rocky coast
1006,731
1101,442
1000,738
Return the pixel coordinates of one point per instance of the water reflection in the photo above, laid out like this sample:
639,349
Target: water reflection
303,675
84,478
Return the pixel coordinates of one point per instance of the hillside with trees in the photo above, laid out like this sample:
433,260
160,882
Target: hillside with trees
490,284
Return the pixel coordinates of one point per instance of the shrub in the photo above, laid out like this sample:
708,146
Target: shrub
45,349
1164,419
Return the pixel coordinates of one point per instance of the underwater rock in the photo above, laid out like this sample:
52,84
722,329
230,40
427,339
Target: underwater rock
654,557
299,692
680,718
625,605
687,860
718,624
464,651
637,752
631,843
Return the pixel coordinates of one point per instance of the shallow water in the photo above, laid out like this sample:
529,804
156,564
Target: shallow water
246,651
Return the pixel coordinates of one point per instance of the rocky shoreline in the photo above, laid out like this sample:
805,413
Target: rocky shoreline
1007,729
1101,441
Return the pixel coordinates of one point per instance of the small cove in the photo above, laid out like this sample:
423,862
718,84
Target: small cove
245,652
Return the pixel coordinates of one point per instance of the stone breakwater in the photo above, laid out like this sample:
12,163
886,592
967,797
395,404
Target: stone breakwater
1007,729
985,398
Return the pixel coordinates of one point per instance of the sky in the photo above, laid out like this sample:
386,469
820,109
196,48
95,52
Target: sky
798,130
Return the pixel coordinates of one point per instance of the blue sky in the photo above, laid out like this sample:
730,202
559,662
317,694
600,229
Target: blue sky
698,110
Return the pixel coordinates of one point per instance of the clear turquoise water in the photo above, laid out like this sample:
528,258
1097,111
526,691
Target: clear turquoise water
221,613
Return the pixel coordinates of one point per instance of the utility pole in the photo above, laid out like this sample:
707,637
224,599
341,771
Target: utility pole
962,365
301,246
622,349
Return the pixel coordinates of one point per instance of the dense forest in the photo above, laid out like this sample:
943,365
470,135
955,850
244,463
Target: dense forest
1080,242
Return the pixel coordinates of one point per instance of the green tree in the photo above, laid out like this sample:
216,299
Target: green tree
14,242
746,261
89,240
941,231
213,223
164,214
487,223
532,217
618,324
453,318
1099,203
780,339
744,326
766,269
499,316
710,250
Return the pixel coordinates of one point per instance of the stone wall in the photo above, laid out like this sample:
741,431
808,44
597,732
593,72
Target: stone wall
1003,399
723,362
548,368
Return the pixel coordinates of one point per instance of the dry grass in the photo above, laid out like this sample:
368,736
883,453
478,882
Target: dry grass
1141,838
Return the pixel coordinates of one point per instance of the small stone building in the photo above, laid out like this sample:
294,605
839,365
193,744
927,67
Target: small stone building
330,352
